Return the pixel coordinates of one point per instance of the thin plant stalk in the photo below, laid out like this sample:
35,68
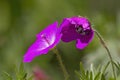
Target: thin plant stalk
59,60
66,75
109,54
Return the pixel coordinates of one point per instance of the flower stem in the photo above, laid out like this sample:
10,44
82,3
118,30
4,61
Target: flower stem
109,54
66,75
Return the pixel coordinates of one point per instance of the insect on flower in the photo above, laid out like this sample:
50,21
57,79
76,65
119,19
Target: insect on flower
77,28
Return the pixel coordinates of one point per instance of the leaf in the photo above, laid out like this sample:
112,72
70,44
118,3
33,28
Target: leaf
104,70
91,75
87,75
117,65
97,76
30,78
7,76
82,68
79,75
102,77
20,72
82,73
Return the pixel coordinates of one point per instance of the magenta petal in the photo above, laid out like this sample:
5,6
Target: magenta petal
80,44
68,30
38,48
46,40
81,20
51,33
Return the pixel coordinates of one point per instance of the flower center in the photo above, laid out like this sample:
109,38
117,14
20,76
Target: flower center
45,38
80,30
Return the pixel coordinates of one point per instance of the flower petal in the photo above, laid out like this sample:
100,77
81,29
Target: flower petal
83,41
49,33
82,21
80,45
38,48
46,40
68,30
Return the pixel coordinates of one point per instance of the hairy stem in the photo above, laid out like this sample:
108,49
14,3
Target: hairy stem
66,75
109,54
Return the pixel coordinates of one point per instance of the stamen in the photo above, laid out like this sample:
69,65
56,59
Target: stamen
45,38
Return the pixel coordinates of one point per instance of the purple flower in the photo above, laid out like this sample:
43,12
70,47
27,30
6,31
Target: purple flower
46,40
77,28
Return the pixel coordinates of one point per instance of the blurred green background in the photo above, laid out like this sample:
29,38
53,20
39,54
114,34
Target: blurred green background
21,20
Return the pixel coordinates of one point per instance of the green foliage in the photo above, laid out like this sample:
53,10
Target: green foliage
20,74
117,65
7,76
92,74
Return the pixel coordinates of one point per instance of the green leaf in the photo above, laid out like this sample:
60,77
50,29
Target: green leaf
79,75
102,77
30,78
82,68
91,75
104,70
20,72
87,75
97,76
117,65
7,76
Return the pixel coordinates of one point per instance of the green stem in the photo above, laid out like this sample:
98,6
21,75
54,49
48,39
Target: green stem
109,54
66,75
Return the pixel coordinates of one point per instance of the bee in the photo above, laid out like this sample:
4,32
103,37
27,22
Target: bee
80,30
